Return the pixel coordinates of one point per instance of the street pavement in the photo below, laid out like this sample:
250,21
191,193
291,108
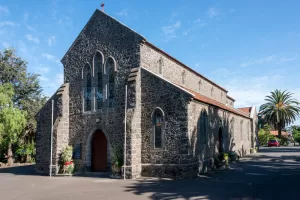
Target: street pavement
273,173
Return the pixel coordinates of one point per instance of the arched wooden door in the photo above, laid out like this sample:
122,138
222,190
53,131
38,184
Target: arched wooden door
99,152
220,138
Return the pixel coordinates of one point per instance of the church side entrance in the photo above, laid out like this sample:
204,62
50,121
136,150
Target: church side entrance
99,152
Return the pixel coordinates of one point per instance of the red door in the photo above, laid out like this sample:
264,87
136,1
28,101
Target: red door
99,152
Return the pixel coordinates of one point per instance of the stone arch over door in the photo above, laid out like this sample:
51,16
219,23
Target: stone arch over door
220,140
97,134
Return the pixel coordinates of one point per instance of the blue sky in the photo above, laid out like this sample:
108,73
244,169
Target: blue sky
248,47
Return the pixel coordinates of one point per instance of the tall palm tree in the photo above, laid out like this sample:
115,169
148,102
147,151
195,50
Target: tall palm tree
280,110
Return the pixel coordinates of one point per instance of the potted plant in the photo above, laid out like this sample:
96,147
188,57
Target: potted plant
66,157
117,159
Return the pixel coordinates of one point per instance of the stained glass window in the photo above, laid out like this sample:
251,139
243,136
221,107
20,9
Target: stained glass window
99,90
158,123
88,89
111,82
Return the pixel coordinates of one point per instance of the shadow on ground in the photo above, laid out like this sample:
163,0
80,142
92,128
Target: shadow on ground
259,176
20,170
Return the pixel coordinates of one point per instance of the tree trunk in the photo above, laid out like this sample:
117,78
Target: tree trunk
9,155
279,130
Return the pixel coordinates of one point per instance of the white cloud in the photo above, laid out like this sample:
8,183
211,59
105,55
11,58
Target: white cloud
51,40
212,13
286,59
30,28
170,31
7,23
259,61
32,38
48,56
200,22
43,78
3,9
43,70
122,13
272,58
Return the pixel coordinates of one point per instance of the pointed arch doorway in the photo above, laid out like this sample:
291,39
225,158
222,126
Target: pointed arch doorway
99,152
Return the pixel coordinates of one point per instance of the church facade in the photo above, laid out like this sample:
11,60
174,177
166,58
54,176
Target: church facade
116,82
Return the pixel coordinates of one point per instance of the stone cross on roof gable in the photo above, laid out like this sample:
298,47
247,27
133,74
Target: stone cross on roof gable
102,5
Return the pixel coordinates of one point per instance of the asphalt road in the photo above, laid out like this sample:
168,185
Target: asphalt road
273,173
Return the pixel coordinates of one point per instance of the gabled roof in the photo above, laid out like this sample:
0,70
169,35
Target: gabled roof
198,97
246,110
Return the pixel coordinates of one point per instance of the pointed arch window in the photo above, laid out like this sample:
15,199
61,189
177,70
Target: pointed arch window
98,68
158,124
87,90
110,66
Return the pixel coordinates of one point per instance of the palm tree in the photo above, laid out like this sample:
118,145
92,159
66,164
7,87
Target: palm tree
280,110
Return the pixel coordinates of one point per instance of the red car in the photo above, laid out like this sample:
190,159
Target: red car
274,143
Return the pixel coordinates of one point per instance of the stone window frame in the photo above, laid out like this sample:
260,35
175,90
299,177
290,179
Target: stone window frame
231,130
96,80
241,129
160,66
115,70
83,77
163,125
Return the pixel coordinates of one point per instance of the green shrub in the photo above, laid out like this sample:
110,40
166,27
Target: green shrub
221,159
297,137
67,154
264,137
67,165
117,156
233,156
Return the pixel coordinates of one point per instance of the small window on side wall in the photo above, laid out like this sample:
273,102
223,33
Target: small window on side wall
158,124
160,66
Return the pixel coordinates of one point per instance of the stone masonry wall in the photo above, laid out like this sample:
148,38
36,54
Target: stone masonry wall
60,130
113,39
233,138
173,159
150,59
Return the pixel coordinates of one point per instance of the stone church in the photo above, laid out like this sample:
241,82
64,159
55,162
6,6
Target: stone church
117,86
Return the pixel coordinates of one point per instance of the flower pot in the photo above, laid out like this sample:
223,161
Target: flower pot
116,169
